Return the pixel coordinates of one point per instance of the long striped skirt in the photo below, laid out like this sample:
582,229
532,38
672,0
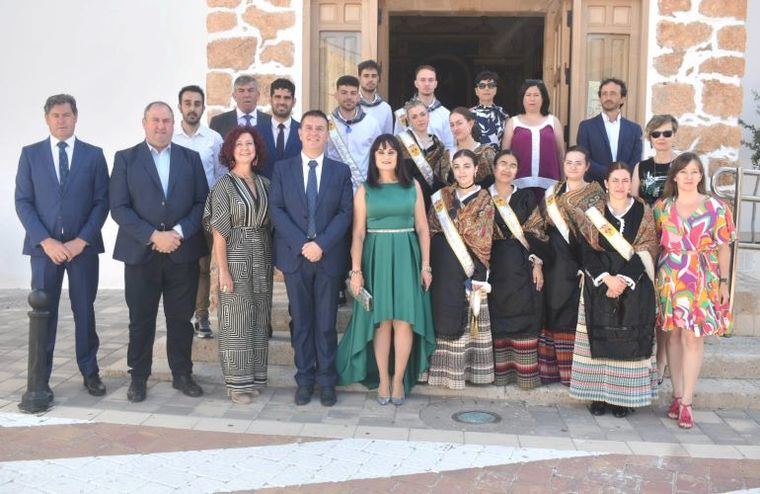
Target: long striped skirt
555,356
466,358
516,361
626,383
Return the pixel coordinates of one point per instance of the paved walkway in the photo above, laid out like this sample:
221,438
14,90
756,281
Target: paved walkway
172,443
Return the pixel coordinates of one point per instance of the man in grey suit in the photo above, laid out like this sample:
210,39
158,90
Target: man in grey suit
245,92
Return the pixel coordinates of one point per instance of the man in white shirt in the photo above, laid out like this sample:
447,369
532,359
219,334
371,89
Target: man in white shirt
371,102
425,82
207,142
245,92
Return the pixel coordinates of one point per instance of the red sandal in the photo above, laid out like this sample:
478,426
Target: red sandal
685,418
675,408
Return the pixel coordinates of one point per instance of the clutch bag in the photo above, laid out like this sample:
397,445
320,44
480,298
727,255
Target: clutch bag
363,297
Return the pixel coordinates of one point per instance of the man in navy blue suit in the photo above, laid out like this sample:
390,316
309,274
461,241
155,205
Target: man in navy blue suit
62,202
280,132
608,136
311,205
158,190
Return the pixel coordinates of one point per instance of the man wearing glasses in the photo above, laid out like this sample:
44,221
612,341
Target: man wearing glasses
490,117
608,136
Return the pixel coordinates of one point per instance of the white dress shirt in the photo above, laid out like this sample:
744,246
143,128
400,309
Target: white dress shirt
69,153
613,133
305,168
162,159
285,131
241,117
207,143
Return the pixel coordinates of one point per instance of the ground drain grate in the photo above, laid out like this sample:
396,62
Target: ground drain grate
476,417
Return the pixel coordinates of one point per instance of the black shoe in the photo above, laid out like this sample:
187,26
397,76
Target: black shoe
203,328
187,385
94,385
619,412
597,408
328,397
49,393
303,395
137,391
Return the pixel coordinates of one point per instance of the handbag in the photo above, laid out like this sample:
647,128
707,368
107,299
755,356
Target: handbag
363,297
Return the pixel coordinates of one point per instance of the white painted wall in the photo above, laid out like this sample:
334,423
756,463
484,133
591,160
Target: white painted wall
114,57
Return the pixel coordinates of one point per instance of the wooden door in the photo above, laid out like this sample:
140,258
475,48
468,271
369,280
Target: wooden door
557,58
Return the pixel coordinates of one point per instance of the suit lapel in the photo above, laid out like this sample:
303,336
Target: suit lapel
174,170
49,163
621,139
77,162
150,166
300,185
603,131
324,182
292,137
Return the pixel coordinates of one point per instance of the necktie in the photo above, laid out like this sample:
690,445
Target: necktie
63,164
247,118
311,200
281,140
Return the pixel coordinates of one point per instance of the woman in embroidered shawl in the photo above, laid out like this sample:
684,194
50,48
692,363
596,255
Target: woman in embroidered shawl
613,364
562,290
461,228
464,128
433,150
516,278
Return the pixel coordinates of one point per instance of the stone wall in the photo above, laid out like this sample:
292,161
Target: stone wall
259,37
697,60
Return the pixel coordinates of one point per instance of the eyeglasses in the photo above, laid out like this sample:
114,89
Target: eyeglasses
656,134
489,85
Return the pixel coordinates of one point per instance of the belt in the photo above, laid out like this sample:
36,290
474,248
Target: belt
390,230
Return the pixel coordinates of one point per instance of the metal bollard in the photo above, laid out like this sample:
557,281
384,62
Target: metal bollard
36,398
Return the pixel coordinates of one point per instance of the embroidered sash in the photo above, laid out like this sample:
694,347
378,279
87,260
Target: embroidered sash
452,235
417,156
618,241
508,215
553,211
401,117
357,177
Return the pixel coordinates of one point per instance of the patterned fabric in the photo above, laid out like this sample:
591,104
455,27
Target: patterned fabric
652,177
688,280
572,205
485,154
242,218
516,361
436,155
457,360
555,356
623,383
491,121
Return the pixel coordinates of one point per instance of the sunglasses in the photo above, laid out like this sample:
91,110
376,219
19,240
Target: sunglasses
483,85
665,133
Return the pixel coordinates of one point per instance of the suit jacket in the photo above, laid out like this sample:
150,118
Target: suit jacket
139,207
292,145
593,136
79,210
225,122
287,203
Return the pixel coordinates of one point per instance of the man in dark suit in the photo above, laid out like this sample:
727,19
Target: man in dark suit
245,92
158,190
311,205
62,202
608,136
280,132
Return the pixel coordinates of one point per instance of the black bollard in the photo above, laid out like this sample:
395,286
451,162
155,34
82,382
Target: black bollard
36,398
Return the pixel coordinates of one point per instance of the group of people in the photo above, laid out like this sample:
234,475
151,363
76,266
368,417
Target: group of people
478,249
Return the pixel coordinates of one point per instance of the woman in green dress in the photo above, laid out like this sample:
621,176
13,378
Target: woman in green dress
390,258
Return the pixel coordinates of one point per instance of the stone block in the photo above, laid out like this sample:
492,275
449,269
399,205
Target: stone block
732,38
669,63
721,99
264,81
714,163
669,7
218,88
230,4
679,36
231,53
220,21
280,3
268,23
716,136
282,53
686,137
724,8
730,66
673,98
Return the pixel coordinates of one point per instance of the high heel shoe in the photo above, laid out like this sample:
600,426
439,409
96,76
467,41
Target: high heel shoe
398,401
675,408
685,417
383,400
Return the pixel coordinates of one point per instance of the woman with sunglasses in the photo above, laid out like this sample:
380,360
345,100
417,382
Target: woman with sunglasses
490,116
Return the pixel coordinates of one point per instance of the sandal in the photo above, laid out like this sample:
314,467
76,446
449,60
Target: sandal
685,418
675,408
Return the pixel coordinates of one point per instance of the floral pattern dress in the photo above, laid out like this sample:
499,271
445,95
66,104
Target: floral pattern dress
688,281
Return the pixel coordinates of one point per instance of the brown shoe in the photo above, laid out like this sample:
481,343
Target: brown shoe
241,397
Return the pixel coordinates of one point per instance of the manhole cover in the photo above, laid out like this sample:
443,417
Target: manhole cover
476,417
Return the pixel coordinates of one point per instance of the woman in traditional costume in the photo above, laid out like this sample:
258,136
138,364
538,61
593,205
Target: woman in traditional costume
612,358
464,128
461,228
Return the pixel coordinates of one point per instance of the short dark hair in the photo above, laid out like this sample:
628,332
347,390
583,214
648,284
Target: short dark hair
157,103
369,64
192,89
282,83
579,149
347,80
615,166
227,153
424,67
623,87
61,99
314,113
504,152
529,83
486,75
402,172
470,117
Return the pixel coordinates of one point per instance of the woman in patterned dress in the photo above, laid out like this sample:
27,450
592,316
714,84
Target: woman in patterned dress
490,116
466,133
461,229
237,214
692,275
